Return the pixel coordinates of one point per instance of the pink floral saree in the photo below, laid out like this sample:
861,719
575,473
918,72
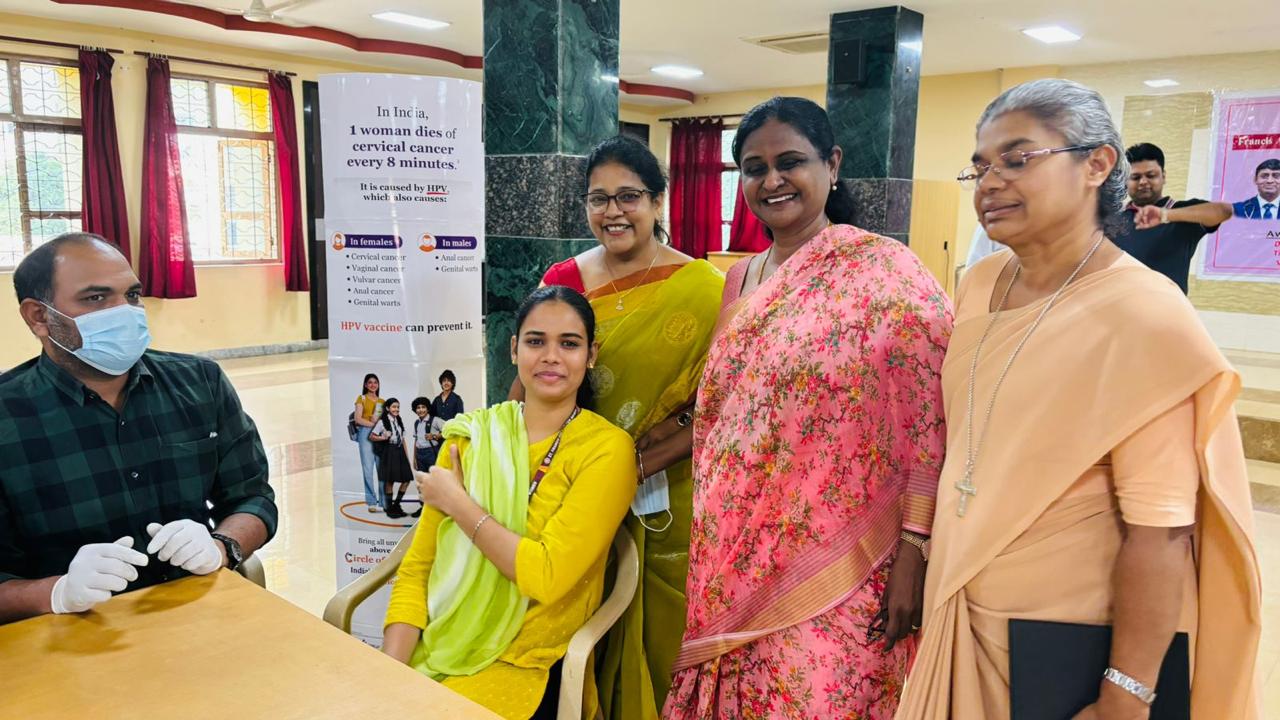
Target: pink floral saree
819,436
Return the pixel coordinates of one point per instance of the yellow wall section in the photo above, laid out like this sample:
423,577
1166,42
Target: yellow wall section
1012,77
949,109
237,305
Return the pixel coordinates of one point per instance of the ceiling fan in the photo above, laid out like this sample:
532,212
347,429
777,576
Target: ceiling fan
258,11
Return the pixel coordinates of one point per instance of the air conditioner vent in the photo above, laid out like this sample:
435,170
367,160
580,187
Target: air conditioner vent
794,43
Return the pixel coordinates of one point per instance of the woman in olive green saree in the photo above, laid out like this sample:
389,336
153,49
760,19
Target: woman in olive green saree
655,309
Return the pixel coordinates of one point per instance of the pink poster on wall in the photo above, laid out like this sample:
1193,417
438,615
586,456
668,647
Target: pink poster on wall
1246,173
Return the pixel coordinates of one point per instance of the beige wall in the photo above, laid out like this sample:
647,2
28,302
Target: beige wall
951,104
237,305
1173,119
1170,122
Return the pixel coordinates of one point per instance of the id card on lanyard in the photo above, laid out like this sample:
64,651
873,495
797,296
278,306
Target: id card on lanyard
551,454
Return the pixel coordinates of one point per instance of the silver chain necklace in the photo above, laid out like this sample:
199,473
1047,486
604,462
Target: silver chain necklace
965,485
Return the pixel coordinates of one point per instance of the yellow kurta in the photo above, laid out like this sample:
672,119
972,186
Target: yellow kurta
560,562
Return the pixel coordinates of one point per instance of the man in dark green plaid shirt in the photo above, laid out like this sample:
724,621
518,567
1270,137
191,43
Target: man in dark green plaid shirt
115,462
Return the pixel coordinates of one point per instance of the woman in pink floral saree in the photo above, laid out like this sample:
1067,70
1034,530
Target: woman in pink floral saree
818,440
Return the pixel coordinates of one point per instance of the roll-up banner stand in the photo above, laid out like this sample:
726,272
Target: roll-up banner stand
404,229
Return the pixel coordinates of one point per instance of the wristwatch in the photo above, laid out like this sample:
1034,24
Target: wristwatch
1130,685
684,419
920,541
235,555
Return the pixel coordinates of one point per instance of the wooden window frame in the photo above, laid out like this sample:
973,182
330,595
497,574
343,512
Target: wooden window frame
724,168
24,123
230,134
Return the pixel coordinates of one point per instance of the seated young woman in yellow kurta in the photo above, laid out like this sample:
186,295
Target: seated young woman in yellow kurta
508,559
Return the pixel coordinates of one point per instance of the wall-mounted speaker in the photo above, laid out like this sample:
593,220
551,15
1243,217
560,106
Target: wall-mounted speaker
849,62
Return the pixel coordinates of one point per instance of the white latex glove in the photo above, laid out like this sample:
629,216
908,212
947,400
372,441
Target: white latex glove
185,544
95,572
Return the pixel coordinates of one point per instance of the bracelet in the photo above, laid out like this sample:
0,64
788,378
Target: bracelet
921,542
640,462
1129,685
1164,216
486,518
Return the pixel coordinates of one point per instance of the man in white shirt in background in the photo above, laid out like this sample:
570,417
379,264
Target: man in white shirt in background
981,246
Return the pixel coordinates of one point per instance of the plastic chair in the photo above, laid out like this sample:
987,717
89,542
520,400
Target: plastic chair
251,569
341,606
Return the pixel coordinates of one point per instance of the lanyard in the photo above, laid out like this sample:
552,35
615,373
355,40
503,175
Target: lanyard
551,454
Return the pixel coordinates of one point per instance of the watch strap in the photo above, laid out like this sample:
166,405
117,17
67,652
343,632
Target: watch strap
235,555
915,539
1129,685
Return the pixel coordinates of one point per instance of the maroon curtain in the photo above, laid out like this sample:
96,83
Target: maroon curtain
165,265
293,240
695,186
103,209
746,234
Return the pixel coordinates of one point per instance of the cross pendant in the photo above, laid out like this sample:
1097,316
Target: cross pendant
967,490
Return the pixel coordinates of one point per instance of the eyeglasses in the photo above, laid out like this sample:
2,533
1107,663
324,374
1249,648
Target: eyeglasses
628,200
1012,165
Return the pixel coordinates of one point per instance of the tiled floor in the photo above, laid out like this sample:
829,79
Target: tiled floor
288,397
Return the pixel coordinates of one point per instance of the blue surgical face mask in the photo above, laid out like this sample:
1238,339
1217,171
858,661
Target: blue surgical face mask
111,340
652,497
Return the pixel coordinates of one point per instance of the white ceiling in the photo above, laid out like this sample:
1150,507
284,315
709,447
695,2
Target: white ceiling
960,35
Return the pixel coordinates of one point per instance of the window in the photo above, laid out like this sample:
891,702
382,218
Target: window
40,154
729,177
228,169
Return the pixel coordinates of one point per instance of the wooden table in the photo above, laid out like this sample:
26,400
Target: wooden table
207,647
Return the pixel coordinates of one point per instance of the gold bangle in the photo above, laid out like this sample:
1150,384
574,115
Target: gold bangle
484,519
640,462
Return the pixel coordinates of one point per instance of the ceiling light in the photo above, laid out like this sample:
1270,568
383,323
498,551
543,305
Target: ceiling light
1163,82
677,71
1051,34
407,19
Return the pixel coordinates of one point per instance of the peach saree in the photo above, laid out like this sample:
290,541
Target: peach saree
1116,362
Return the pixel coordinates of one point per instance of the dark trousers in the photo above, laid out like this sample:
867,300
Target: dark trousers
425,457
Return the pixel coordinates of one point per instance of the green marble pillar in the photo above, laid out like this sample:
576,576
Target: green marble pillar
550,95
875,118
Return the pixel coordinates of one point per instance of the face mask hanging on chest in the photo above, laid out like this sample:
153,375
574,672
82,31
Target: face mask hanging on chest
111,340
652,497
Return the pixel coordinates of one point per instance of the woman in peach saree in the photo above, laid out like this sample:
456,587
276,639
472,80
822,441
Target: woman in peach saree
1094,471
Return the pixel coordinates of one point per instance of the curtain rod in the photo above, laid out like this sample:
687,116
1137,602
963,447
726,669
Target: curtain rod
211,62
49,43
702,117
